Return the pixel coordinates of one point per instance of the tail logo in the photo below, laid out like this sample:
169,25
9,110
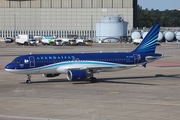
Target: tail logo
148,45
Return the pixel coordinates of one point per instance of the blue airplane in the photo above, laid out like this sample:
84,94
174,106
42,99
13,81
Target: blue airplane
82,66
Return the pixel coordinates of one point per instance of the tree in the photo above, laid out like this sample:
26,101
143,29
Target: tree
167,18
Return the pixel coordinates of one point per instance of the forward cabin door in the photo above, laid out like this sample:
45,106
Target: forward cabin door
31,61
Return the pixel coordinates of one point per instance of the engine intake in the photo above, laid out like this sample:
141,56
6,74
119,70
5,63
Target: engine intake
76,75
51,75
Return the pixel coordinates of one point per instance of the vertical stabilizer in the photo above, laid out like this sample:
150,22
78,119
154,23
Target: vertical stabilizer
148,45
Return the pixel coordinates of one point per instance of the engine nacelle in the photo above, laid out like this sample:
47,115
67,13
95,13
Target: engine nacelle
51,75
76,75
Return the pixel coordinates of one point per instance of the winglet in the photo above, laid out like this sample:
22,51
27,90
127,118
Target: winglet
148,45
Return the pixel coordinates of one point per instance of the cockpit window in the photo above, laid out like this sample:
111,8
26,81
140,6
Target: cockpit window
17,61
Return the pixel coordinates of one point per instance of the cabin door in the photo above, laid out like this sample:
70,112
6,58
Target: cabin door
137,58
31,61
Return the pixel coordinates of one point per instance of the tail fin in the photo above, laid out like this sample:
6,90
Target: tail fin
148,45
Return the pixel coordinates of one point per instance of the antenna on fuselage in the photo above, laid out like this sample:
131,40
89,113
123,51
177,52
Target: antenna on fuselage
30,53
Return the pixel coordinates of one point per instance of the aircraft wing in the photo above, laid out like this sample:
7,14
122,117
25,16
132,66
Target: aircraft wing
99,68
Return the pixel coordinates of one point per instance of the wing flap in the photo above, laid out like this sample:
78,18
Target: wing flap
101,67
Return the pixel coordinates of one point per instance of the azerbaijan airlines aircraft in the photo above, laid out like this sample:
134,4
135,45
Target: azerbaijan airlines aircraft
82,66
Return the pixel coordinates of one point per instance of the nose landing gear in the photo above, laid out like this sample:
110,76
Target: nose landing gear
29,79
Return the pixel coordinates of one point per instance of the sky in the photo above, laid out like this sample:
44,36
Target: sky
159,4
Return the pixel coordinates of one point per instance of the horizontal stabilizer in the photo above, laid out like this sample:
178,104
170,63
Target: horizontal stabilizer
152,58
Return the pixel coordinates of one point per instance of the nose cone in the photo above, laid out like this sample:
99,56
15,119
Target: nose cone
10,66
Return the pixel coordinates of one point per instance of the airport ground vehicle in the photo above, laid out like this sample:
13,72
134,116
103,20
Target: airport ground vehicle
82,42
137,41
9,40
48,40
88,42
22,39
72,42
32,42
64,42
125,39
57,42
79,41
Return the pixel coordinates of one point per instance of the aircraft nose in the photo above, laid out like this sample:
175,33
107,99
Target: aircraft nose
9,66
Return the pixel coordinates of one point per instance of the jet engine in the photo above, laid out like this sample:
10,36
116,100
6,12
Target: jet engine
76,75
51,75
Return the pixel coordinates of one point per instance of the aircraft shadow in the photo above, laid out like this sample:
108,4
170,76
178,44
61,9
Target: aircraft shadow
109,80
169,66
48,81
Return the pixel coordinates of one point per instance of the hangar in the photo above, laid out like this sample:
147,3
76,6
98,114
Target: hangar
61,17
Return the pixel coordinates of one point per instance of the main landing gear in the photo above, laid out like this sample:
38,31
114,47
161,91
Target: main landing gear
91,77
29,79
92,80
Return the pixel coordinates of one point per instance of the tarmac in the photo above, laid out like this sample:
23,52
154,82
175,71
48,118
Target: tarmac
140,93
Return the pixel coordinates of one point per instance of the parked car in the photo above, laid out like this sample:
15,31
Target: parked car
9,40
58,42
33,42
82,42
88,42
72,42
64,42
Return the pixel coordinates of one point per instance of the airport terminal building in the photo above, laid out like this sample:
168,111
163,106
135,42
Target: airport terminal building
61,17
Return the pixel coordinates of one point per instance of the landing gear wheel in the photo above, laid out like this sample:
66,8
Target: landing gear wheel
28,81
92,79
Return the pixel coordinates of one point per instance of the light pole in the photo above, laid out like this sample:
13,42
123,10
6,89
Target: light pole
91,27
14,25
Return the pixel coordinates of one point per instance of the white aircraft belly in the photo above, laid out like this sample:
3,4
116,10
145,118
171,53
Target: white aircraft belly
113,69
